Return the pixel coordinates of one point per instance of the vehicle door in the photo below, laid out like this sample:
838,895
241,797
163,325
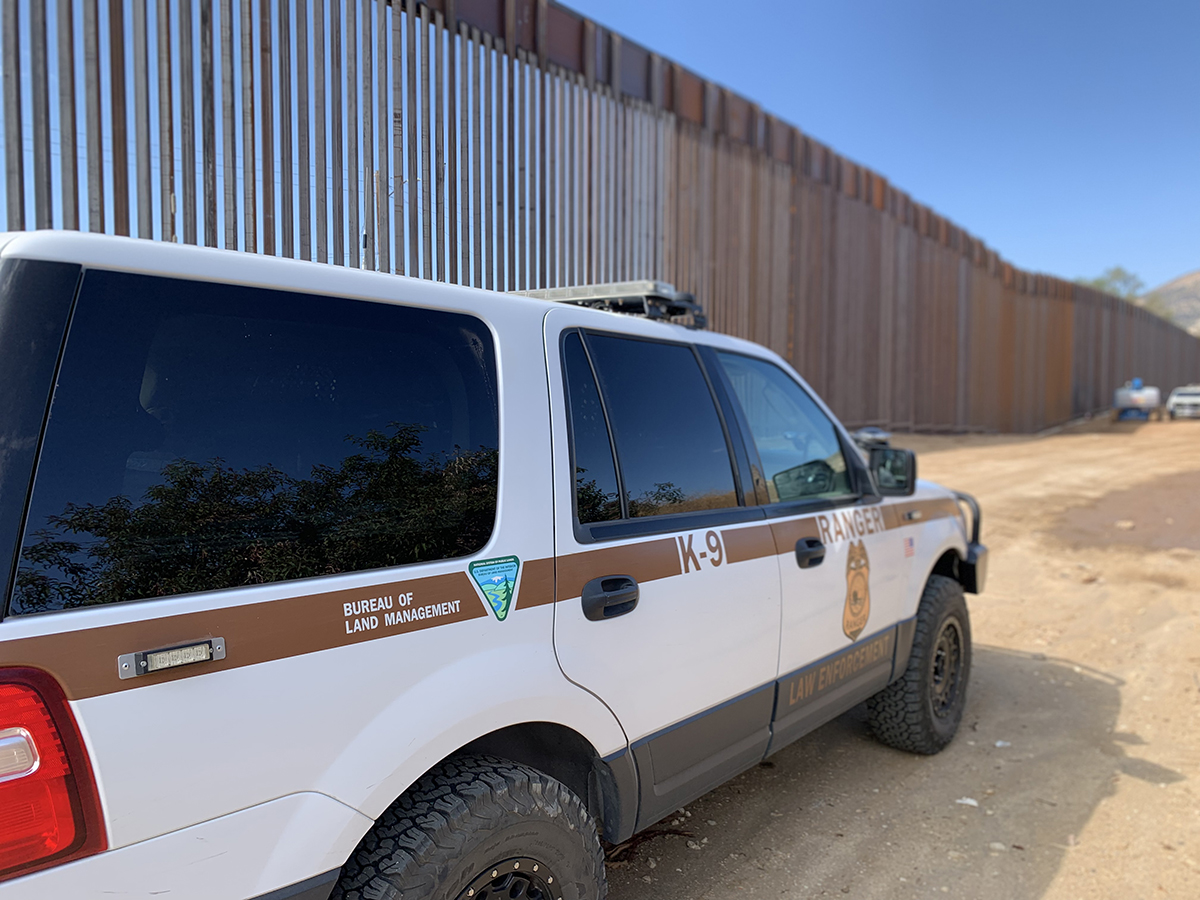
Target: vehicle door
843,571
666,611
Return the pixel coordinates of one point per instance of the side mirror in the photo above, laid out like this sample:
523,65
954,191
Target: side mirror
895,471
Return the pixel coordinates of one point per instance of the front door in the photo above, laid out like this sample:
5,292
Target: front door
837,639
664,612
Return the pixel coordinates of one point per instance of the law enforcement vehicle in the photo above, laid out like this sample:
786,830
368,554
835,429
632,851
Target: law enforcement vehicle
321,582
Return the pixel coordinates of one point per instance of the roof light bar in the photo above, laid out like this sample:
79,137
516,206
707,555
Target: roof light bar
652,299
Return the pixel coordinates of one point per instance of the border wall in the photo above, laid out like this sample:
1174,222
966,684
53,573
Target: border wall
513,144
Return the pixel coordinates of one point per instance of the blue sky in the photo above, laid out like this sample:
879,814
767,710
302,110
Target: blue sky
1064,133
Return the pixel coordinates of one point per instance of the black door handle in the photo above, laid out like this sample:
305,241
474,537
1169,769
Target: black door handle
609,597
810,553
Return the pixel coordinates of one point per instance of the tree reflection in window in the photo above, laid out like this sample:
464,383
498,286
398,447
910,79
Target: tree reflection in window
593,503
209,526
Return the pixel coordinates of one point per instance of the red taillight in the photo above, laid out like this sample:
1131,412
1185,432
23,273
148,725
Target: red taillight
49,807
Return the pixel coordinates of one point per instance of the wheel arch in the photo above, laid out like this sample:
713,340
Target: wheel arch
948,564
608,787
947,552
945,558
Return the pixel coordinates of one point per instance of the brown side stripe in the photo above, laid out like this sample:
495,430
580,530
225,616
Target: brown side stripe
85,661
742,544
537,583
891,518
926,510
780,536
788,531
647,561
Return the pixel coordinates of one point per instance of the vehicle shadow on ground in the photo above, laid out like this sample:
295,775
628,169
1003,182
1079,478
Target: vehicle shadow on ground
996,814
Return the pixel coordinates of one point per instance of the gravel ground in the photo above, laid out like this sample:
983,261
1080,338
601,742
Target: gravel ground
1075,772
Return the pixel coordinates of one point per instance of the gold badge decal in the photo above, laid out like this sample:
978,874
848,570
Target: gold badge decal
858,590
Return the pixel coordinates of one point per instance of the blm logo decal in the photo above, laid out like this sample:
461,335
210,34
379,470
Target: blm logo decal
497,581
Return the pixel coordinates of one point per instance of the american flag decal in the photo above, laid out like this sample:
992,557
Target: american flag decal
910,547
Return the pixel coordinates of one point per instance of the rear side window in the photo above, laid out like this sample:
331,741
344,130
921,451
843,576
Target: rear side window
35,303
210,436
797,444
670,443
597,497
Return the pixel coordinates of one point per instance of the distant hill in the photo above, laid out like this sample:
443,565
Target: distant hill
1180,298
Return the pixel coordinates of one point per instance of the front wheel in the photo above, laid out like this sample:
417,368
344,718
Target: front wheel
921,711
479,828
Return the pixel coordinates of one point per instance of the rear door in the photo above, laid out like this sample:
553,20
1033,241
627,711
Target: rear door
648,496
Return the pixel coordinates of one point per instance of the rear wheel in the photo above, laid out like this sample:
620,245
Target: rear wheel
479,828
921,711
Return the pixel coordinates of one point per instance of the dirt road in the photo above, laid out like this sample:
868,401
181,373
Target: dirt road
1080,750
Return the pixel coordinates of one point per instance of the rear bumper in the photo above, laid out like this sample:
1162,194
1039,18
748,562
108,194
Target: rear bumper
287,849
1186,412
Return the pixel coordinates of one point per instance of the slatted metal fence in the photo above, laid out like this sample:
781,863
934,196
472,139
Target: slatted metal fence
513,144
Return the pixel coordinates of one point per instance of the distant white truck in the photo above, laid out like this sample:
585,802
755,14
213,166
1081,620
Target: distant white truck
1184,402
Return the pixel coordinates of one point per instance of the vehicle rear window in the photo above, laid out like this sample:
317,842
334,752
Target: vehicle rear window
670,443
210,436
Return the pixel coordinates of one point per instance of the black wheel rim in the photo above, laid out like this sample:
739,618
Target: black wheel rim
519,878
945,681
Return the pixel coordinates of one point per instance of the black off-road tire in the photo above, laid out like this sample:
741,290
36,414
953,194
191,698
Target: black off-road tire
921,711
468,818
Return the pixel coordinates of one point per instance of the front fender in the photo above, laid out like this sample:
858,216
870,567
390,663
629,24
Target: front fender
935,537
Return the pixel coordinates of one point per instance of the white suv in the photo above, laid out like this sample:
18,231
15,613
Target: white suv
1184,402
319,582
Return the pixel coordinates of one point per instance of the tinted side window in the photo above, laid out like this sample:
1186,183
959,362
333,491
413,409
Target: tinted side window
597,497
670,443
801,456
35,303
209,436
